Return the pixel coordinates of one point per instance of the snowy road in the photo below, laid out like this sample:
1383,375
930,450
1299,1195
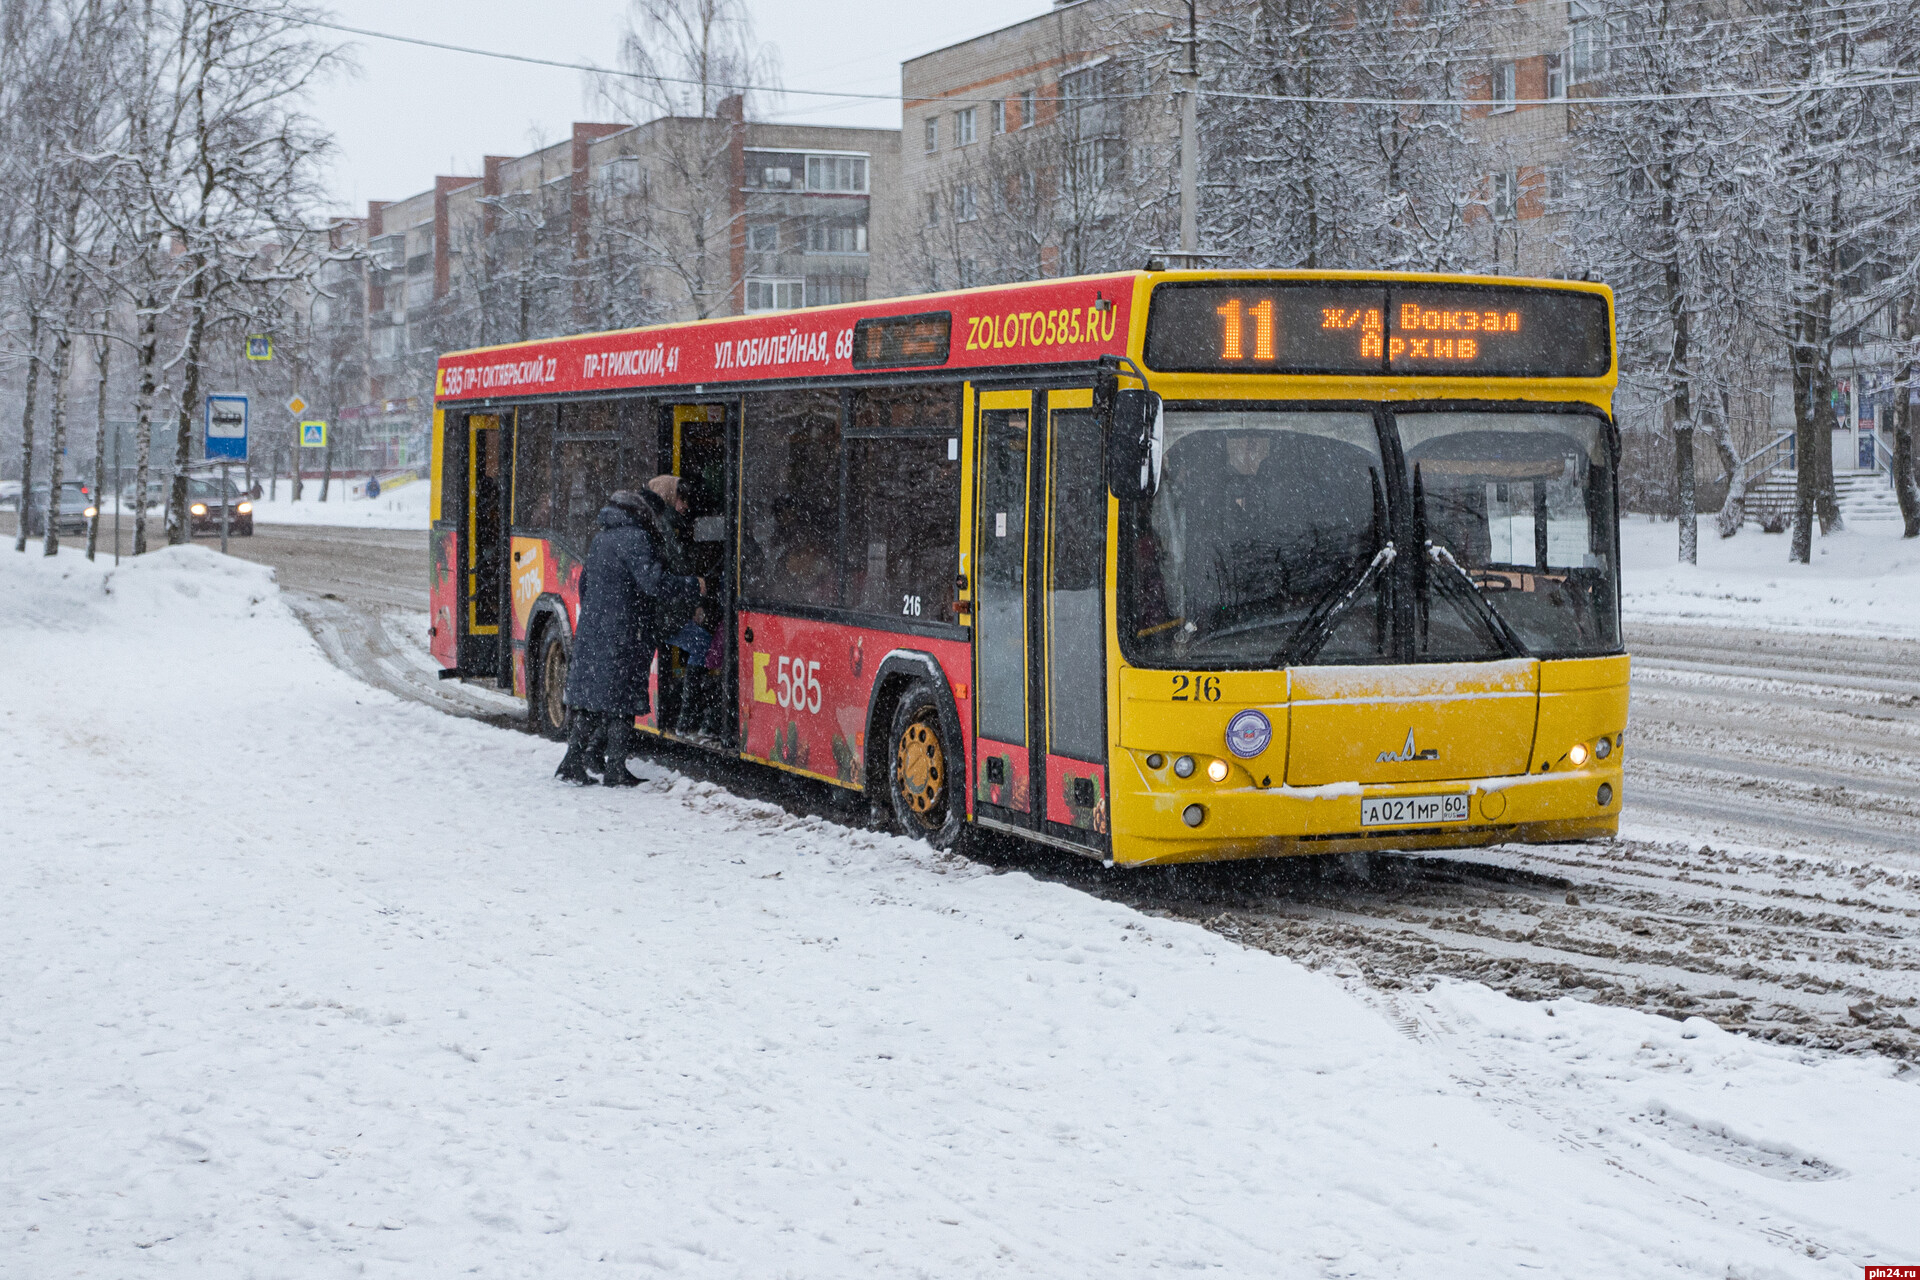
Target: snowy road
1769,878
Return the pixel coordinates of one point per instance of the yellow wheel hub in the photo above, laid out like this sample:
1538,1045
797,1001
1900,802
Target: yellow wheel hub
922,771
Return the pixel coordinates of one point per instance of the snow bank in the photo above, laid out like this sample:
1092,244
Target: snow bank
406,507
1864,581
304,980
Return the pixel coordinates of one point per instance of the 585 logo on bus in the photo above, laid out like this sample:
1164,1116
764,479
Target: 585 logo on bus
795,686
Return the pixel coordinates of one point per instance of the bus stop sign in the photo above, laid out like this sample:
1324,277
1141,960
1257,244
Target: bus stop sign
226,429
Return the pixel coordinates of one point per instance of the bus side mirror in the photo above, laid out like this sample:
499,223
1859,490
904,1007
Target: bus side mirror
1134,445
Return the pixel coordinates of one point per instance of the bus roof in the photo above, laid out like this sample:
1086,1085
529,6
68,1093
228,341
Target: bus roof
1074,320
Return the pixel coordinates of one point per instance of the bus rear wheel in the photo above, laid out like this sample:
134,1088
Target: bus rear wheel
546,698
923,772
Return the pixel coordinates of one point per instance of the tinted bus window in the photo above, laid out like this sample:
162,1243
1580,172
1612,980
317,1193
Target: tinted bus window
903,517
533,467
790,494
587,474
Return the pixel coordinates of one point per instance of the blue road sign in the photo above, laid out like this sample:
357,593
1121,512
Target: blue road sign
227,428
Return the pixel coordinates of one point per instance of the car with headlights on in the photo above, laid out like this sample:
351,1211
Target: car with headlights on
74,510
206,495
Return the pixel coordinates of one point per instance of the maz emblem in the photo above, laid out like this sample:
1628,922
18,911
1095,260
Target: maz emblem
1409,753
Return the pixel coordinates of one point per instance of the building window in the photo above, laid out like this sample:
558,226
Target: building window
763,237
823,291
1026,108
1506,195
836,235
1098,162
1503,87
1556,76
622,176
1080,88
933,133
837,173
998,112
386,344
933,208
775,171
1587,40
963,132
775,295
1553,181
966,204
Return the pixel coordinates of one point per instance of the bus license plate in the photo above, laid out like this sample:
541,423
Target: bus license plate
1412,811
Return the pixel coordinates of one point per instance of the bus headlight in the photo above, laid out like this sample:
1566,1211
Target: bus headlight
1194,815
1578,755
1603,748
1183,767
1217,770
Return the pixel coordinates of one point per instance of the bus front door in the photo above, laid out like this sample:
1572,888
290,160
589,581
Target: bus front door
1040,642
484,577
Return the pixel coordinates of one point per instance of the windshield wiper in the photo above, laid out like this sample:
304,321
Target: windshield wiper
1330,608
1466,589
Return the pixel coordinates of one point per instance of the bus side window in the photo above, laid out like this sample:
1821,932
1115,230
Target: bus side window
790,446
533,468
903,526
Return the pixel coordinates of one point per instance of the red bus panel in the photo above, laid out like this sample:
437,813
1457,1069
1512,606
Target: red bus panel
1049,323
805,687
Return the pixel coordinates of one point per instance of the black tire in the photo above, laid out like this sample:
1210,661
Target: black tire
547,713
925,772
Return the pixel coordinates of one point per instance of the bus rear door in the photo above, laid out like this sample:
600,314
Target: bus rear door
1039,637
483,576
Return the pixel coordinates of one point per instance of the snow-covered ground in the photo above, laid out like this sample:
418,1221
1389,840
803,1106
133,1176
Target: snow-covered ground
301,979
1863,581
403,508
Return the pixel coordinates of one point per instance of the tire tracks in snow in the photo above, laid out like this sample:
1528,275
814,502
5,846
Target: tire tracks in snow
1798,757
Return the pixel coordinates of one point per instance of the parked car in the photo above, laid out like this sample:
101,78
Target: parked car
205,497
75,509
156,495
9,491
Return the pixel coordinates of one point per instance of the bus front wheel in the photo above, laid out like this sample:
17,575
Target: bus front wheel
924,772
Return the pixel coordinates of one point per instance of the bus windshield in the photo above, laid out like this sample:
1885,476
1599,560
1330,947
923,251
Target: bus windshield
1267,524
1270,542
1521,506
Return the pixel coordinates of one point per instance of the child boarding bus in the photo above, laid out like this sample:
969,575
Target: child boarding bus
1154,566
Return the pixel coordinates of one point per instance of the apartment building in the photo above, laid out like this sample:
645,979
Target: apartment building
1025,149
614,226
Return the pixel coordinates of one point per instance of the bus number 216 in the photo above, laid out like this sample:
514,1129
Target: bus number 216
1196,689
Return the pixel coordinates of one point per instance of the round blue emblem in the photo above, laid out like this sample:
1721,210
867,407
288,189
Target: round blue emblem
1248,734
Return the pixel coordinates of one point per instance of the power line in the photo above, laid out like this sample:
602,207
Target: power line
1629,99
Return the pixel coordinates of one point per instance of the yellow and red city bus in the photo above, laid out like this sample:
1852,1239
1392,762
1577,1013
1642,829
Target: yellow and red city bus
1153,566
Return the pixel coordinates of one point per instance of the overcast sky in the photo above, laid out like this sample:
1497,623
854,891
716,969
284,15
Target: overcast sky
412,113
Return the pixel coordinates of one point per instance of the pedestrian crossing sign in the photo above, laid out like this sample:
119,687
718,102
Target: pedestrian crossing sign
313,435
259,347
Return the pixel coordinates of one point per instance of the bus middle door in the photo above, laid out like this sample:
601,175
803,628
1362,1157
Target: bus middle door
1040,634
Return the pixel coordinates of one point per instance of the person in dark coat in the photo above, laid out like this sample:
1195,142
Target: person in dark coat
614,638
